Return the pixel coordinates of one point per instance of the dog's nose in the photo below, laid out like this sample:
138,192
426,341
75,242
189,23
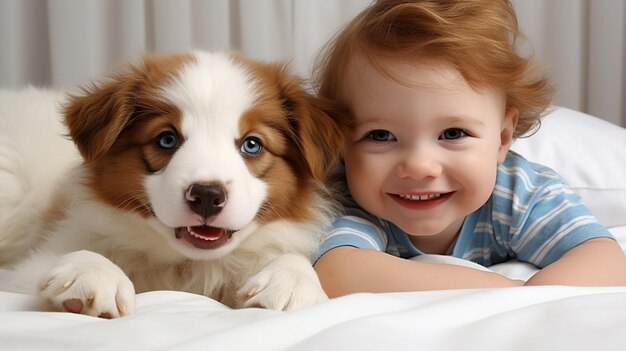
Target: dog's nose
206,199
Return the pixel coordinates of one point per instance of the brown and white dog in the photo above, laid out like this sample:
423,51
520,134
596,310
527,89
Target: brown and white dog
200,172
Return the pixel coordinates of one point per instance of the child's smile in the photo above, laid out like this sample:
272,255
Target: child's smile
421,202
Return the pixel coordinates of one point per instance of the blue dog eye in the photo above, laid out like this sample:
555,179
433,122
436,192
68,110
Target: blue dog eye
251,146
167,140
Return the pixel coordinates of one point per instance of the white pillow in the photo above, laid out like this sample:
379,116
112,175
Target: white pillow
589,153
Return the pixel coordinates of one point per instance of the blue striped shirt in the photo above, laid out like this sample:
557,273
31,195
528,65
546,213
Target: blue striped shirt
532,216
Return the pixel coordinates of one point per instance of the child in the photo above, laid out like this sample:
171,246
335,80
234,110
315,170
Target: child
437,93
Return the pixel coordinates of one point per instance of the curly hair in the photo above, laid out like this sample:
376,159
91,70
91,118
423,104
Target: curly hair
479,38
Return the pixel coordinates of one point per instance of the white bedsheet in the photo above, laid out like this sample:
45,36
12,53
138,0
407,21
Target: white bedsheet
525,318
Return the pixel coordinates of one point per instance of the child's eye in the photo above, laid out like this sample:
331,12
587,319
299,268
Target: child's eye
453,134
380,135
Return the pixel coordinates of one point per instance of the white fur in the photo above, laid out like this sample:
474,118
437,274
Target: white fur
91,253
212,94
29,122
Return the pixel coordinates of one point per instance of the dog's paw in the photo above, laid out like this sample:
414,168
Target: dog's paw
287,283
88,283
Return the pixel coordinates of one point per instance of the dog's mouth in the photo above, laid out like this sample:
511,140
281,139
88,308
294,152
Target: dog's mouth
203,236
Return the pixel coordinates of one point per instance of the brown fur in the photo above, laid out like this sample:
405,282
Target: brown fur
114,123
302,154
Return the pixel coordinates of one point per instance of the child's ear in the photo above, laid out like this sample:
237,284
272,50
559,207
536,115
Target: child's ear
511,116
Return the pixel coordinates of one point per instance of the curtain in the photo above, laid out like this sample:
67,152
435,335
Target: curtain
62,43
582,43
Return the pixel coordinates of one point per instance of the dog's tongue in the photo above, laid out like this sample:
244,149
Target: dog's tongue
207,232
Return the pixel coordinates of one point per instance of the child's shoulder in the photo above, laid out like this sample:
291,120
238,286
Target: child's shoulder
523,187
520,181
516,168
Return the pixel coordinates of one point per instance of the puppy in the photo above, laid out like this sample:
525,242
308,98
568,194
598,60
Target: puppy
200,172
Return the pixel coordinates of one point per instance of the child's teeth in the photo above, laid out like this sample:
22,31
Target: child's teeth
420,197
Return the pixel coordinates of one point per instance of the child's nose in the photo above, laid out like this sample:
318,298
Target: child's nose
418,163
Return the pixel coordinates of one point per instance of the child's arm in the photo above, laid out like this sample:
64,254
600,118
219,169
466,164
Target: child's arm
595,262
345,269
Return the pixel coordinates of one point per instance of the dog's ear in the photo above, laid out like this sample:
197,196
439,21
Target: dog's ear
97,115
100,112
320,128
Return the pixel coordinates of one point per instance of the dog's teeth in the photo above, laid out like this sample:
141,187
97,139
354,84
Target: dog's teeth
198,236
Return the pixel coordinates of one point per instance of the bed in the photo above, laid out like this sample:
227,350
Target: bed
588,152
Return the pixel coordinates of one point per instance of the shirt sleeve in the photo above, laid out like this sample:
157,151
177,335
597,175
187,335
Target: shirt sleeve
555,222
355,228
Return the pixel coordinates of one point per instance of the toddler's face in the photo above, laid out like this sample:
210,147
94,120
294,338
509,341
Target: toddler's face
424,155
